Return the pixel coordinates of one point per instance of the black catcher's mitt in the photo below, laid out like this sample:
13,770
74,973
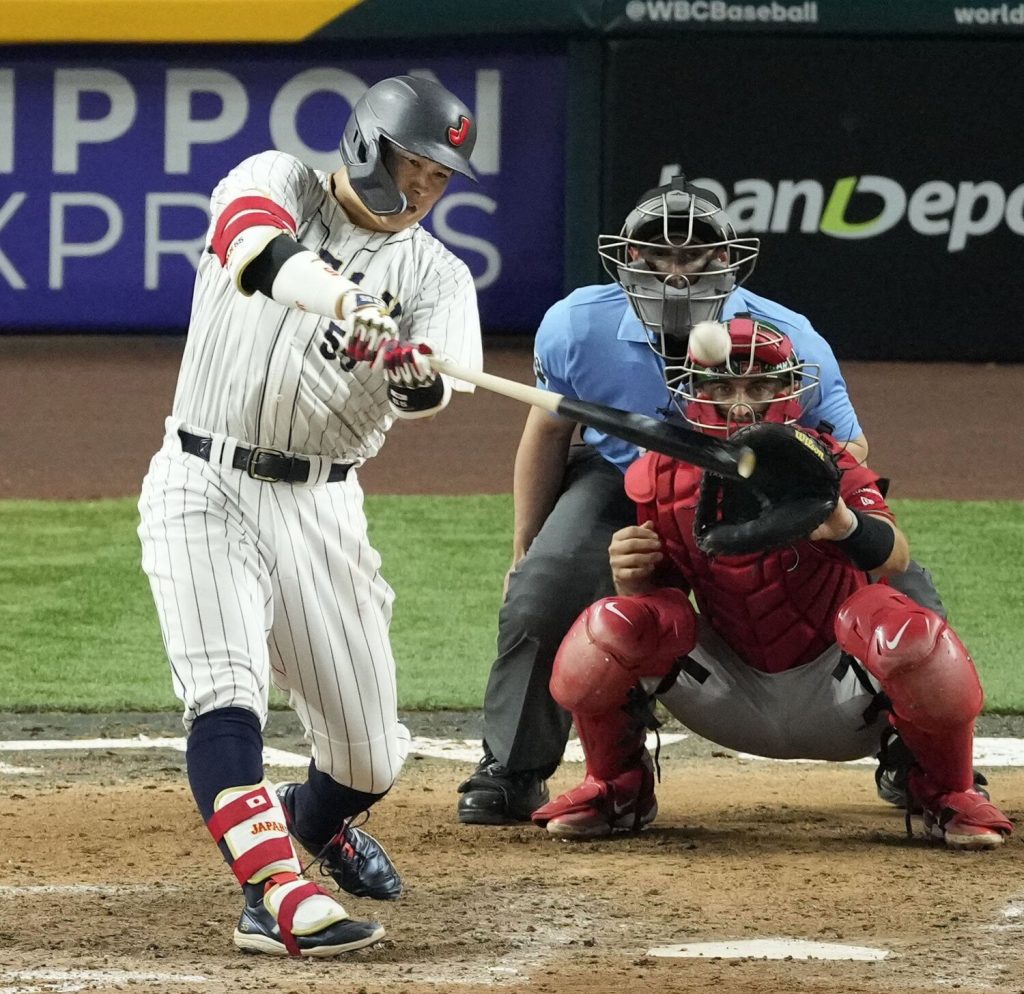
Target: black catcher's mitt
793,489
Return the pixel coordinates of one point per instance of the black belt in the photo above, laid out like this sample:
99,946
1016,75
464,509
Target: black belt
270,465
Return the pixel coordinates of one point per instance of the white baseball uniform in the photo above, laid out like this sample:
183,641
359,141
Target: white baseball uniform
257,581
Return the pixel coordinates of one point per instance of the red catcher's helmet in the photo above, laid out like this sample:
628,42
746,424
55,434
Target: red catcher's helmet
759,352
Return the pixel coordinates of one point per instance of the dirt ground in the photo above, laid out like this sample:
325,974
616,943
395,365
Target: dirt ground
105,866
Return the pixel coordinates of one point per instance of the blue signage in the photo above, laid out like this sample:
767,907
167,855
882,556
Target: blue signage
107,164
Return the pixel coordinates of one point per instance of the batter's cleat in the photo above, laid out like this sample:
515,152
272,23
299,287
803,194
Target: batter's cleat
895,762
353,858
962,819
596,808
493,795
318,926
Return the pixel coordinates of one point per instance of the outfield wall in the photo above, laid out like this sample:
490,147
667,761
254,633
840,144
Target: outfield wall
873,146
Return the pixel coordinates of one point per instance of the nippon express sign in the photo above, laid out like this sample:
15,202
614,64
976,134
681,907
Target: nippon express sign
106,169
859,207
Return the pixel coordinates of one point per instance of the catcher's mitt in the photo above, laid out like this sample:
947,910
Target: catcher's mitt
793,489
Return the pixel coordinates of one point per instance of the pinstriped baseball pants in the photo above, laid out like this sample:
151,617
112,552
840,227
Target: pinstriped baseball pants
258,582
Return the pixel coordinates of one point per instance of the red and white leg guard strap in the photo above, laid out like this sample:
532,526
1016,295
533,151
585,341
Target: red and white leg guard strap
251,822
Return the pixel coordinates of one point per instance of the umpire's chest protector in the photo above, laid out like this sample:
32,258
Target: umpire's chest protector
775,609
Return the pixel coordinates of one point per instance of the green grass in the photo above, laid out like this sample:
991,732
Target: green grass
78,630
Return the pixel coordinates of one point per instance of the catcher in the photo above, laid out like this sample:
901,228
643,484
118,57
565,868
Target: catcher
795,653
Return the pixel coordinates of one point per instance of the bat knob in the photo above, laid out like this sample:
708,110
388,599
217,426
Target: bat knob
745,462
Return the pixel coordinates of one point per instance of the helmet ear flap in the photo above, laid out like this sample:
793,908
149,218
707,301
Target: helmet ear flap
370,178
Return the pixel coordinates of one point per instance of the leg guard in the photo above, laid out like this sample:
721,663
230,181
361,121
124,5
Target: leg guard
615,642
251,823
618,789
925,671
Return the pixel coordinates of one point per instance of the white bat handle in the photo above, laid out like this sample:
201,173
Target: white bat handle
544,399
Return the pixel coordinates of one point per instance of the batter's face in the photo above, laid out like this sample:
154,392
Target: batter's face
421,180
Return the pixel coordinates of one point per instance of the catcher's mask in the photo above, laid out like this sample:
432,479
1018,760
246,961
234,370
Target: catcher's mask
762,357
677,258
416,114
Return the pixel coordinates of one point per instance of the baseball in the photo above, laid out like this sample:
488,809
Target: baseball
709,343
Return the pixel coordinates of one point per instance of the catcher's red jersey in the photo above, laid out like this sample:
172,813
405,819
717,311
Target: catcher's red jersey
775,609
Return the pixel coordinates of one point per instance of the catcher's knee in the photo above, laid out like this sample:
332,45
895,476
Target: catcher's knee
923,667
615,642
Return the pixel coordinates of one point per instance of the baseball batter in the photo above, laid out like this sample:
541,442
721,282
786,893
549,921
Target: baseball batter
317,305
795,653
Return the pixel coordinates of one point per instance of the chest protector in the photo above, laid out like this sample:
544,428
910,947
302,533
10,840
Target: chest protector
776,609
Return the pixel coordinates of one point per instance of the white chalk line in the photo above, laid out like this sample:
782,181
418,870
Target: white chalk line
988,751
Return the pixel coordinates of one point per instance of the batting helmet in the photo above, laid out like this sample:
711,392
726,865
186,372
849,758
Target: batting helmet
416,114
677,258
759,352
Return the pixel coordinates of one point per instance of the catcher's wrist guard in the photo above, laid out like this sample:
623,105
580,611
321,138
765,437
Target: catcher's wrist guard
870,544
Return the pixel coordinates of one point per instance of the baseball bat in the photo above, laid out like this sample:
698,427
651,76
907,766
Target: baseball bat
715,454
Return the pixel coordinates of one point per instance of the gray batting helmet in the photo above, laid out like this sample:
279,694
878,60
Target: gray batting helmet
672,218
416,114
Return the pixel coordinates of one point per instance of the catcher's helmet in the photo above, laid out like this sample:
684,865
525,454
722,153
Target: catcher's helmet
671,219
416,114
760,352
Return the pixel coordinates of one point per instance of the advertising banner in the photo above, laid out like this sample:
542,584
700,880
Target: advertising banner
881,176
107,161
881,17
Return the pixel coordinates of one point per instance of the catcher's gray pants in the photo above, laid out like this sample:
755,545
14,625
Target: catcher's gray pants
565,570
825,709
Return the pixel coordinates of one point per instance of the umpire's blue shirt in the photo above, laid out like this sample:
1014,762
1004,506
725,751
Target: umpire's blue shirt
591,346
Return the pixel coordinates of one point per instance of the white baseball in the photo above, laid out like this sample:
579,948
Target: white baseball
709,343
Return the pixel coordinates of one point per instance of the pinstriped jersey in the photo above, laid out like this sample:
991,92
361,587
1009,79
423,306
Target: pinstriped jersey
275,376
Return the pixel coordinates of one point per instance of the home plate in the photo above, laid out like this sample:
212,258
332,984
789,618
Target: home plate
769,949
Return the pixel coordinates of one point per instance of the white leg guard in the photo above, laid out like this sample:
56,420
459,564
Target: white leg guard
251,823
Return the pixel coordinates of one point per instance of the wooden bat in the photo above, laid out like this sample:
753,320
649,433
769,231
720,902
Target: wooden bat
715,454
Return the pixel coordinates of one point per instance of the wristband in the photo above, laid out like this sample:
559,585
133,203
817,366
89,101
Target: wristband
409,403
871,543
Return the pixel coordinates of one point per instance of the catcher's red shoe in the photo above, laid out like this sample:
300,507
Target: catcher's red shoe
596,808
962,819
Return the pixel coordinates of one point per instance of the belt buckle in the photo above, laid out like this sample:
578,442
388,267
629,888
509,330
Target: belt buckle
254,456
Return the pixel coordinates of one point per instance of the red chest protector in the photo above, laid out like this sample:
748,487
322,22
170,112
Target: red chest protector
775,609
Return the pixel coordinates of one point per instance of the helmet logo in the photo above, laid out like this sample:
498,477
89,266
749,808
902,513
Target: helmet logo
458,135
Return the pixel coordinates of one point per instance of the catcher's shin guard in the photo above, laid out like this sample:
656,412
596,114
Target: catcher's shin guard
615,642
925,671
284,914
618,789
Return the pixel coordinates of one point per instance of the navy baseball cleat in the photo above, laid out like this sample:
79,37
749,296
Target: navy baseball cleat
258,931
493,795
353,858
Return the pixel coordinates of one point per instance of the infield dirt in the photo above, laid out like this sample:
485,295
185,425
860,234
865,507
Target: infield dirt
106,866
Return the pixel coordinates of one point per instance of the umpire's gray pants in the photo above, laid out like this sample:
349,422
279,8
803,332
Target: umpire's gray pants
565,570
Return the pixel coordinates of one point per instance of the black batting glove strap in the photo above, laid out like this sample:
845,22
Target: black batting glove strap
412,400
871,543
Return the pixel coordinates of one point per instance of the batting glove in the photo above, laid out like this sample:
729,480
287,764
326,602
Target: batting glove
406,364
366,324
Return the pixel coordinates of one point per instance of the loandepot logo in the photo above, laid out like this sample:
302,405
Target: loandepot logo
858,207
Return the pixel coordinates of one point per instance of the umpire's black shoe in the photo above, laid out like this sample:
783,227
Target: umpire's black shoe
258,932
895,761
354,859
495,796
